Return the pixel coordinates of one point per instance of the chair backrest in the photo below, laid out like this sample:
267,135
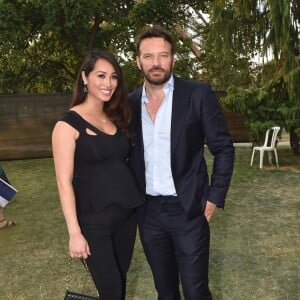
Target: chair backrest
270,140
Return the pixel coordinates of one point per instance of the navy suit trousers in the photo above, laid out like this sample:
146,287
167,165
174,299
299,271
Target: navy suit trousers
177,249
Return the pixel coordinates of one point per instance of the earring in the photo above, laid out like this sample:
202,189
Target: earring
85,90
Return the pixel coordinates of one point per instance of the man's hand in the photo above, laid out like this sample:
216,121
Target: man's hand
209,210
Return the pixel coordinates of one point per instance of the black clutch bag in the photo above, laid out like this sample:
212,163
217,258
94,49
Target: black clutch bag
75,296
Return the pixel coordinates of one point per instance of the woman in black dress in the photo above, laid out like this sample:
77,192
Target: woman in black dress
97,190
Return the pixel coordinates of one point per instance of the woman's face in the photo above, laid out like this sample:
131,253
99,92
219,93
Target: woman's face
102,81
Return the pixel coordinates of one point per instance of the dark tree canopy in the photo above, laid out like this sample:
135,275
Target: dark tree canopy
42,43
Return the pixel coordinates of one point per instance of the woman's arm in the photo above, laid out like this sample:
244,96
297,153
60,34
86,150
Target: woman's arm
63,145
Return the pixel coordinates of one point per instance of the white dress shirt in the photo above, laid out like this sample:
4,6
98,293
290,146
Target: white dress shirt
157,145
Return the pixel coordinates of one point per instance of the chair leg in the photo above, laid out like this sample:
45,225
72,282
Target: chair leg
261,159
276,157
253,151
270,157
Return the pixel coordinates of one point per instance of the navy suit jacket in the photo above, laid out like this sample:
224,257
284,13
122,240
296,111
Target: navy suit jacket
196,120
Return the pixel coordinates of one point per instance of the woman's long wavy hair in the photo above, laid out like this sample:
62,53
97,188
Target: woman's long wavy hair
117,108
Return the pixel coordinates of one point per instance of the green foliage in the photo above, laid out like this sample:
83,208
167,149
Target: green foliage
42,44
265,107
230,43
253,104
244,29
132,75
51,38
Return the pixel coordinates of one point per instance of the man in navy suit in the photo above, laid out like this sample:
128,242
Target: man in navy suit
172,119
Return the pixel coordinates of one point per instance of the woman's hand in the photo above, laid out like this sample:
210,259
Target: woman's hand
79,246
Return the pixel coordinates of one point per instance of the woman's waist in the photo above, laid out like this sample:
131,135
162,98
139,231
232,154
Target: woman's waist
108,216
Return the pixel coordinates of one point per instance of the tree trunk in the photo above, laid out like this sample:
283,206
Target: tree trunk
294,142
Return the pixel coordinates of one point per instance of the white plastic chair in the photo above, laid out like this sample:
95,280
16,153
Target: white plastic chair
269,145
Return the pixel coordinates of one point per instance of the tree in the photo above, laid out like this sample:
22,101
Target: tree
216,41
51,38
243,29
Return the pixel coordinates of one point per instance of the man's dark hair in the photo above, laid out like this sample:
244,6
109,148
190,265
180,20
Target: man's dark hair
153,32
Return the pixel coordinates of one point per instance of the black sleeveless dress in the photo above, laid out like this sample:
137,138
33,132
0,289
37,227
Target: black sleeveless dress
102,177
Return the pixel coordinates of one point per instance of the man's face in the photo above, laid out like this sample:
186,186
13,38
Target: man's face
155,60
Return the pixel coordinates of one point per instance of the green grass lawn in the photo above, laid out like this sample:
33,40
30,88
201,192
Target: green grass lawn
255,240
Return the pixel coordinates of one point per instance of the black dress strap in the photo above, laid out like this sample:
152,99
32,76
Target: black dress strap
73,119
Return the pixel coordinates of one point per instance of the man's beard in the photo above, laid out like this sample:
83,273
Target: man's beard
155,80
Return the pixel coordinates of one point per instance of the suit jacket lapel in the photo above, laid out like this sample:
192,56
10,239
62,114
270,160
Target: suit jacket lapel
179,106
